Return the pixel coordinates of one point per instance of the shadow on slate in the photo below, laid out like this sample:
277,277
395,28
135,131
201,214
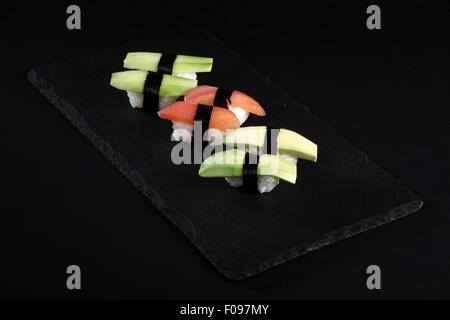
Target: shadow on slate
240,233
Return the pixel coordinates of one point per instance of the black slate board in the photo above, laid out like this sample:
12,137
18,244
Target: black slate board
240,233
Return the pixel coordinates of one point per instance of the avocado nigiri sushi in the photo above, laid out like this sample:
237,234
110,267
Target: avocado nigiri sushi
262,140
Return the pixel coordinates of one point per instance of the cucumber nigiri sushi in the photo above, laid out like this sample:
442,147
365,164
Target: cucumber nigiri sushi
238,164
260,140
177,65
183,115
238,102
146,88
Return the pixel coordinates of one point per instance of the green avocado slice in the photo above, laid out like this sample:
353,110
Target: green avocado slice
289,142
230,163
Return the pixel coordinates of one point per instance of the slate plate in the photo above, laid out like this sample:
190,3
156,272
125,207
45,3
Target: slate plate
240,233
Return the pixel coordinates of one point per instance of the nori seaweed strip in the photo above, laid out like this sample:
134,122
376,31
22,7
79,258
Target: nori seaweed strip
203,114
152,85
165,64
250,173
270,145
222,97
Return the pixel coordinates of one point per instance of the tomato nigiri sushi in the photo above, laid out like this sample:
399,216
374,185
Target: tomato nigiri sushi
183,115
237,102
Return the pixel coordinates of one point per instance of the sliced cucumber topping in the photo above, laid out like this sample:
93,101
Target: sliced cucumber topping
289,142
142,61
133,80
230,164
183,64
175,86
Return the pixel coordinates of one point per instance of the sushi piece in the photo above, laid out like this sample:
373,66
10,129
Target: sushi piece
288,143
281,142
239,103
183,114
252,173
177,65
146,88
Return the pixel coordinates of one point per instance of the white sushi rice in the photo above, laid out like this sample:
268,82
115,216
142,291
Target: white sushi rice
240,113
184,132
137,100
166,101
265,183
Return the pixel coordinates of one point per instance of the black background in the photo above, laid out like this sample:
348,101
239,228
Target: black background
386,90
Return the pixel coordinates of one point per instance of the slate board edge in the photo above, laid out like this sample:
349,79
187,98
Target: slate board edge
185,225
306,107
330,238
183,222
176,217
188,228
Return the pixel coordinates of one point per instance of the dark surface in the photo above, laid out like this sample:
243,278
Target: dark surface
241,233
65,204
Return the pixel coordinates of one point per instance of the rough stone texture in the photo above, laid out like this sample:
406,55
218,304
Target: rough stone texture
240,233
